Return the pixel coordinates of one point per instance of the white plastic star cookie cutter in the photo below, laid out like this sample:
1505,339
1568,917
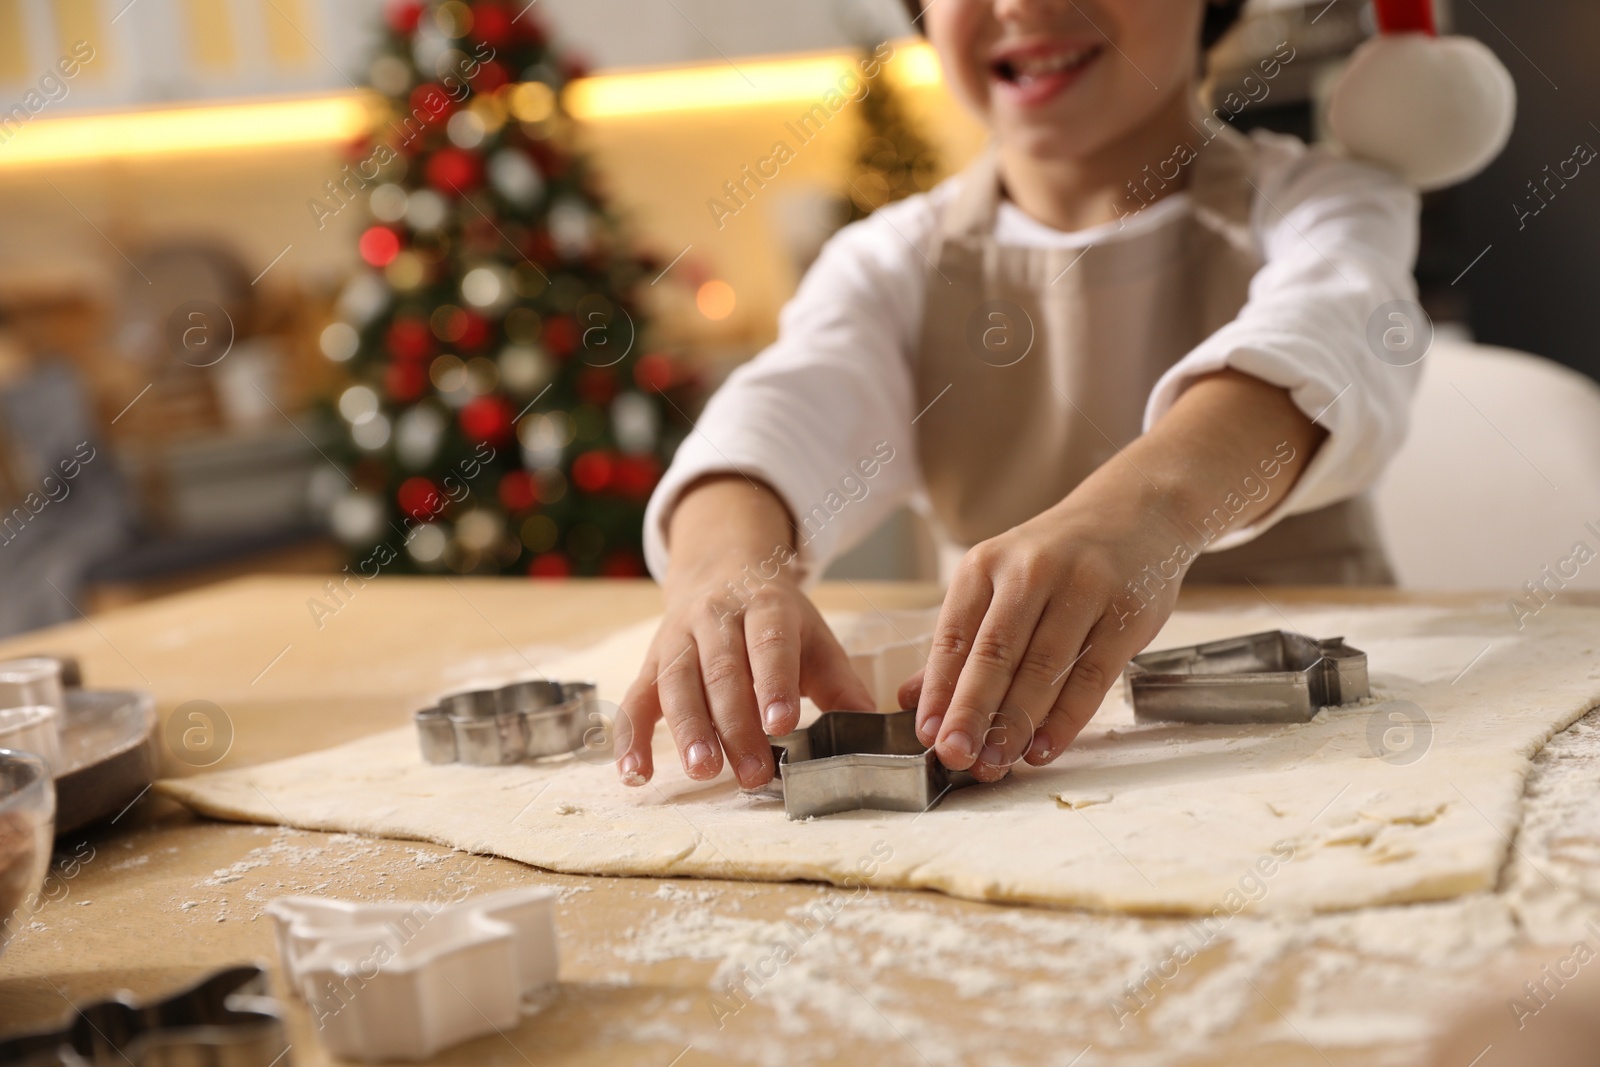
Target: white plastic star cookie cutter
403,981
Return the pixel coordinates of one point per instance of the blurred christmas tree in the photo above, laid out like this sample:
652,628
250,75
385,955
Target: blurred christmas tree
892,160
504,414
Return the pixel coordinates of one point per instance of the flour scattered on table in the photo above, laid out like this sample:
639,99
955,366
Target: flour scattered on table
833,970
698,894
423,858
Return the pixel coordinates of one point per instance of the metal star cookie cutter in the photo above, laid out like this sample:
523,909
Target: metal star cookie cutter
405,980
1275,676
227,1019
847,760
530,719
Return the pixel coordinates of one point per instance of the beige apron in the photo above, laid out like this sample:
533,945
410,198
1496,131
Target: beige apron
1036,363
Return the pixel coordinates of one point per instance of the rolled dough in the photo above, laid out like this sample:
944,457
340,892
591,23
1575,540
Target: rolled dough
1385,802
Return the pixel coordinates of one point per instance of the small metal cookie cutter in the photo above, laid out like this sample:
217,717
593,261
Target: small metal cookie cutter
847,760
524,720
227,1019
1274,676
405,980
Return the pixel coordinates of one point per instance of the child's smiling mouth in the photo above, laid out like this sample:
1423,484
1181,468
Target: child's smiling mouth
1030,74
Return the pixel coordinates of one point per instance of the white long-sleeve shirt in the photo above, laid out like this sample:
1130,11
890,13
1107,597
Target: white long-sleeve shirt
1338,239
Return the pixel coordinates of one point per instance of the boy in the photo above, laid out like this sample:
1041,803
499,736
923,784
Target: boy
1127,345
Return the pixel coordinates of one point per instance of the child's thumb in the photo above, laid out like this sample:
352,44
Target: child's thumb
911,690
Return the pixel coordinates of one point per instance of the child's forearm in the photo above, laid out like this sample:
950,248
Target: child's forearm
1219,439
727,520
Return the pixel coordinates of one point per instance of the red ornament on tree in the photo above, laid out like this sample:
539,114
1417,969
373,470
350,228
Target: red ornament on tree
410,339
403,16
419,498
622,563
454,171
540,247
431,104
549,565
653,372
379,245
561,336
597,385
592,471
487,419
516,491
490,76
474,331
635,476
491,24
405,382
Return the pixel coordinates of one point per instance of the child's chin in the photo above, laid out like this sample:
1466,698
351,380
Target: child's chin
1044,138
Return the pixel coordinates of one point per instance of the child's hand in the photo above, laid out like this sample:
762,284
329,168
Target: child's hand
1038,624
1040,621
736,649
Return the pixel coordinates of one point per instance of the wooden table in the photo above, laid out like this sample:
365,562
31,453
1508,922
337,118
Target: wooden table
167,896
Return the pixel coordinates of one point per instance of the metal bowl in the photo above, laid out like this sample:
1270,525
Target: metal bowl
27,826
109,754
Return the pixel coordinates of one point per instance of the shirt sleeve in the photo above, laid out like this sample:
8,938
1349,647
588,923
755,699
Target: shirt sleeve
1339,239
823,416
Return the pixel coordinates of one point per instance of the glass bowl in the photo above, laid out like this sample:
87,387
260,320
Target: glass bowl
30,682
33,729
27,826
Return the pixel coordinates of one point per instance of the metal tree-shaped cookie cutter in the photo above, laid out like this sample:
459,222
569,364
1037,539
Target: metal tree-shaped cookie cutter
1274,676
228,1019
524,720
847,760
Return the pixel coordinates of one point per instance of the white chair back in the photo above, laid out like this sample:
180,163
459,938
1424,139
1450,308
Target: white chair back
1499,482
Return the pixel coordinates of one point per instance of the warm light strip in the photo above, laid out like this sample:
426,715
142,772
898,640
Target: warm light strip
742,83
346,116
327,119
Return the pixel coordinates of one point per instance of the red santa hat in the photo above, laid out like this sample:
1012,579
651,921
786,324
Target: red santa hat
1436,109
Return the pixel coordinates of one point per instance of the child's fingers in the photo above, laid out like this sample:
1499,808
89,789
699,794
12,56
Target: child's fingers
731,699
986,676
1041,673
637,723
1106,652
772,630
825,672
964,606
911,690
683,705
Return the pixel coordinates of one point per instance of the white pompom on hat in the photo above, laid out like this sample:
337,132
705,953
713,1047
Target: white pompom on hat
1435,109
